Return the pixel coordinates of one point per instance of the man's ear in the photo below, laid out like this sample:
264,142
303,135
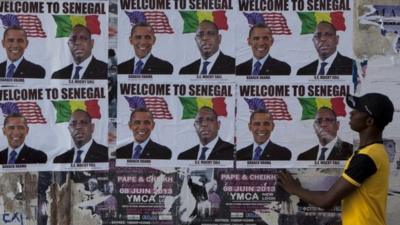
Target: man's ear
370,121
92,128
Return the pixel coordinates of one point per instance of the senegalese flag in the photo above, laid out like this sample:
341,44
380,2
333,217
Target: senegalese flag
65,23
191,106
310,20
192,19
313,104
65,108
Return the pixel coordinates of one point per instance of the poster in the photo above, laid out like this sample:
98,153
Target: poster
52,122
183,114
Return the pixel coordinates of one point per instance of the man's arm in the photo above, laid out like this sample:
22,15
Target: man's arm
323,199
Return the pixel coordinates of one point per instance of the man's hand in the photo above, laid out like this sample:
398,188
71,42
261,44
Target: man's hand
287,182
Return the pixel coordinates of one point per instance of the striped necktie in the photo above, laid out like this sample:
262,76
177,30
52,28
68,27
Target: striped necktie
138,67
10,71
137,153
256,69
12,158
257,153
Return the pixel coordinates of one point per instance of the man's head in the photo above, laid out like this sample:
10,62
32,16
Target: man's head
260,40
261,125
372,109
326,125
92,184
80,43
211,186
206,124
81,127
207,38
325,39
110,187
15,128
15,42
142,39
141,124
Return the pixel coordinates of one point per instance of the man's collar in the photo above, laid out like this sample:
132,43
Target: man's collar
144,59
142,144
331,144
85,62
16,63
85,147
210,144
17,150
262,60
262,146
211,58
330,59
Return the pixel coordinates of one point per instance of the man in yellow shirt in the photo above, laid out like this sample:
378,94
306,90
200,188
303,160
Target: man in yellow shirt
363,184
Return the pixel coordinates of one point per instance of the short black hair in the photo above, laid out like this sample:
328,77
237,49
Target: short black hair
260,111
14,115
85,112
83,27
327,23
209,22
14,28
207,108
141,24
259,25
329,109
141,109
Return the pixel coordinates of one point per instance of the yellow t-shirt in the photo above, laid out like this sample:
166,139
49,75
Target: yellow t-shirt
368,169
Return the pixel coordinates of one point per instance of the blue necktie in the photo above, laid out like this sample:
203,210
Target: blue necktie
203,153
322,156
256,69
76,75
322,69
78,157
10,71
138,67
204,69
257,153
12,158
137,153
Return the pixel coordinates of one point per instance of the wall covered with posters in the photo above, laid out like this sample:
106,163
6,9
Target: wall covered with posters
225,95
